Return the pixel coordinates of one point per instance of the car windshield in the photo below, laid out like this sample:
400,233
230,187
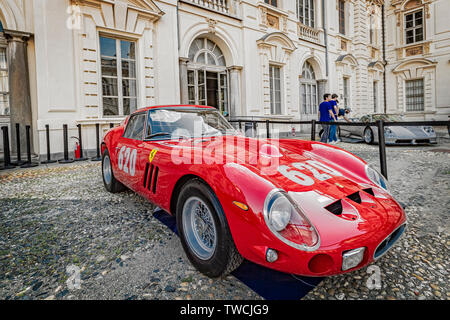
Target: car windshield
387,117
187,123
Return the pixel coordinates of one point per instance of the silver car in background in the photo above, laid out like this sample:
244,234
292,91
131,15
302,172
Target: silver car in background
398,135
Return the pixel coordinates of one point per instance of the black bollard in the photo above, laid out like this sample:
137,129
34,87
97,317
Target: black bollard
66,147
29,163
111,125
47,136
19,161
313,130
97,136
382,148
81,158
6,151
268,129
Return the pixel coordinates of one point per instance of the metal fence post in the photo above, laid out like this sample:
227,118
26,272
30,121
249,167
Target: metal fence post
29,164
268,129
313,130
66,146
47,137
80,141
19,161
6,151
97,137
382,148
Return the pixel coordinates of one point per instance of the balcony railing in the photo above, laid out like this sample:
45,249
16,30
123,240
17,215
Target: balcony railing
308,33
229,7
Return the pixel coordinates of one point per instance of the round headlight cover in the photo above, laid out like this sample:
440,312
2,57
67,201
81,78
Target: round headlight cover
280,212
288,222
376,177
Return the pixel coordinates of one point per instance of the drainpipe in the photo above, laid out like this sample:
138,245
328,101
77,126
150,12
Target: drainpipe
383,33
325,37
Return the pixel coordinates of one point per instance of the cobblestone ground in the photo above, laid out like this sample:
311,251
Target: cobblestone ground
57,218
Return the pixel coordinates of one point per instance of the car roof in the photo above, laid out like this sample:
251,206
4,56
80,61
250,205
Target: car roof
172,106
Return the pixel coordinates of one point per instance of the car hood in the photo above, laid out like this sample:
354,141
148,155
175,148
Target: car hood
410,132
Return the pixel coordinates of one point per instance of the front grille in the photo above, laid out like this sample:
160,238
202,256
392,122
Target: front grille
403,141
422,140
387,243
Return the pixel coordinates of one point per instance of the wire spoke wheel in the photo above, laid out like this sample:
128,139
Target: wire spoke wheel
199,228
107,172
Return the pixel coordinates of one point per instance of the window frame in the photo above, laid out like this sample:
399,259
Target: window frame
346,89
272,87
273,3
120,78
311,18
422,109
142,113
6,93
305,95
341,17
413,12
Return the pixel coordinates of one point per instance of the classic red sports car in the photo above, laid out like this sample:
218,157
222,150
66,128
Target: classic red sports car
300,207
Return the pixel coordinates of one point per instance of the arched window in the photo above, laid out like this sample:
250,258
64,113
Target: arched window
206,52
207,75
308,90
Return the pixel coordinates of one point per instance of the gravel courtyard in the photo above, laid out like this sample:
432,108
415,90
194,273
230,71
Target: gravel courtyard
60,218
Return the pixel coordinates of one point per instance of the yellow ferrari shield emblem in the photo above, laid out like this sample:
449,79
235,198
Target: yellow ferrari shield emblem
152,155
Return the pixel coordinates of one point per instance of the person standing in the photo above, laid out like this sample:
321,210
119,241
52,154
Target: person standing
334,103
325,115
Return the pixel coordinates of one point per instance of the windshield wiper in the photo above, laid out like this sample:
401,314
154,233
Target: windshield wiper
157,135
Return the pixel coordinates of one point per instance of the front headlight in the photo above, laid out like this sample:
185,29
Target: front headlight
429,130
388,131
280,212
286,221
376,177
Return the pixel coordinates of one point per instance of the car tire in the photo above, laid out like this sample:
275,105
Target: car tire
110,182
212,251
368,136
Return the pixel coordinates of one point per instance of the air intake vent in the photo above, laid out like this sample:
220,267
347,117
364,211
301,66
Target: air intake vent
355,197
369,191
335,208
387,243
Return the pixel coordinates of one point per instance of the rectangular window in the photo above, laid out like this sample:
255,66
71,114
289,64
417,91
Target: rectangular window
305,12
346,95
4,84
275,89
308,93
375,96
272,2
118,59
342,17
414,27
414,95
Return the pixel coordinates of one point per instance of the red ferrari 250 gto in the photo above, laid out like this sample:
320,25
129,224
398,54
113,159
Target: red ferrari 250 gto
300,207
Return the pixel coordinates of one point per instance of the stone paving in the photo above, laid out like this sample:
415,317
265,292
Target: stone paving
58,220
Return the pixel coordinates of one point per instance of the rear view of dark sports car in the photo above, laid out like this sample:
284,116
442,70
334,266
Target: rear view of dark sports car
394,135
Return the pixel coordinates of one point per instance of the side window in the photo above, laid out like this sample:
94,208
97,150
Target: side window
135,127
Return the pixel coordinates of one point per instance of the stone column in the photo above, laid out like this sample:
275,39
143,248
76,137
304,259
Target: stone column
19,86
184,94
235,91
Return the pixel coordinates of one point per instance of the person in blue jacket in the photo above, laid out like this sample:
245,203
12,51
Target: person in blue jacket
325,115
334,104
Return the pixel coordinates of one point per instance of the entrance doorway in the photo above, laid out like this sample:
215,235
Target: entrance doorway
208,76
